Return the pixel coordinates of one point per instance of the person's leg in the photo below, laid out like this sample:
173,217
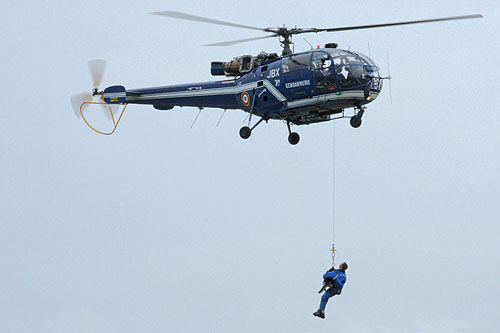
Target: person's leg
326,296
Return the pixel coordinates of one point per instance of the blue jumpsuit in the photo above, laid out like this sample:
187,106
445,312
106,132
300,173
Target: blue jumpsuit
338,277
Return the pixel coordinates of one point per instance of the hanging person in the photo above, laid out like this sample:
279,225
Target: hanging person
334,279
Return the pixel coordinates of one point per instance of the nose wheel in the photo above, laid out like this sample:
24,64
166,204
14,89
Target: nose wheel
293,137
356,119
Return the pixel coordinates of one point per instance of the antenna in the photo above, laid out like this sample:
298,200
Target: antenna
223,113
312,48
195,119
389,76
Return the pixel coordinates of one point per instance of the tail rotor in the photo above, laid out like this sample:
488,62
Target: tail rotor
79,102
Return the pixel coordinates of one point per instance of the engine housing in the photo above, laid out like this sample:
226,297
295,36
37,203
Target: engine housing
242,64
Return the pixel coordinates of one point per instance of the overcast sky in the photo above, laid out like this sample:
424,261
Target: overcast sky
166,228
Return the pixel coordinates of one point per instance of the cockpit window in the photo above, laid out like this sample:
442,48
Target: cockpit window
349,72
296,62
321,66
350,68
371,71
354,69
320,60
365,59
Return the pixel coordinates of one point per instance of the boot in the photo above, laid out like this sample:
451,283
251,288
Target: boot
319,313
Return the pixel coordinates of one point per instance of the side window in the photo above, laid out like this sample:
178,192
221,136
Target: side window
295,62
321,60
337,59
350,72
321,66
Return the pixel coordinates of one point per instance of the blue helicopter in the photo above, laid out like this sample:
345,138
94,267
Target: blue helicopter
302,88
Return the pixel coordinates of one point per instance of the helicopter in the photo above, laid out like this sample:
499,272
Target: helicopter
301,88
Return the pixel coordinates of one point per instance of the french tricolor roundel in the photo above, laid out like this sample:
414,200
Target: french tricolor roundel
245,98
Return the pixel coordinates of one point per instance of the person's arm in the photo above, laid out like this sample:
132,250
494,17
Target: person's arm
342,280
330,274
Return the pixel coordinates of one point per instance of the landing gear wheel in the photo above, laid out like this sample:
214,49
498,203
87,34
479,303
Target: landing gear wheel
293,138
355,121
245,132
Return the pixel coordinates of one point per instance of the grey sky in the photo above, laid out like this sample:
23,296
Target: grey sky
163,228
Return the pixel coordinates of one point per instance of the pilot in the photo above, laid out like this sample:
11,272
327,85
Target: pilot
323,74
317,64
340,69
335,278
321,63
355,72
340,75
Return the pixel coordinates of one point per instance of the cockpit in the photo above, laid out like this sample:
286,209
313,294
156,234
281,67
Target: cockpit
352,69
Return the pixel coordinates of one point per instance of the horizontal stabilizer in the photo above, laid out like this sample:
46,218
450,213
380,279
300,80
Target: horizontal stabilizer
115,95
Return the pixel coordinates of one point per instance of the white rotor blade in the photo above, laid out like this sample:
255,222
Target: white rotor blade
232,42
114,109
97,67
77,100
184,16
370,26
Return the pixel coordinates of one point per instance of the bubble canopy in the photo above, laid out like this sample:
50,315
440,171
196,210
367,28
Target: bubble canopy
354,68
355,58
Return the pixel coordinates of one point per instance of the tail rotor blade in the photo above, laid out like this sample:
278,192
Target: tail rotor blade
106,109
77,100
97,68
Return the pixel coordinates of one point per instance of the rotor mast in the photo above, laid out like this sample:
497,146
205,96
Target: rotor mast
285,36
285,40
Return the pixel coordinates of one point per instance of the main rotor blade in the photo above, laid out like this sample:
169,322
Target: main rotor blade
464,17
183,16
232,42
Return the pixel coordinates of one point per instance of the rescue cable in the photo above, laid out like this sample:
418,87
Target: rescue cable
333,200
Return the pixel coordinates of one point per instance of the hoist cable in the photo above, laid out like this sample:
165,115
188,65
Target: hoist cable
333,198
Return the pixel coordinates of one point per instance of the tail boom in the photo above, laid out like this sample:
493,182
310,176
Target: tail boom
217,94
